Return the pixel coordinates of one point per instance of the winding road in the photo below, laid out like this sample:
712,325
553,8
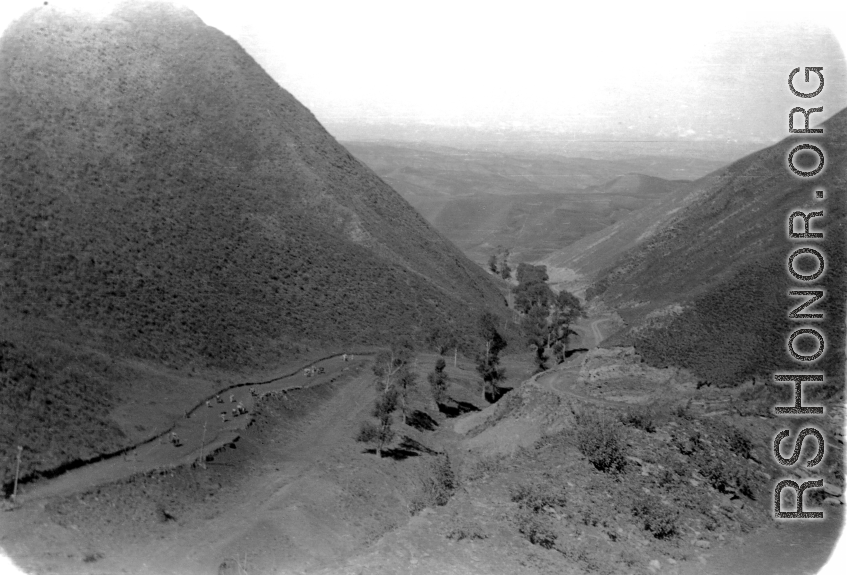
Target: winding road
562,379
202,430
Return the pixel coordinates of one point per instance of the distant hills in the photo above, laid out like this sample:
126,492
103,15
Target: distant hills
162,198
721,253
532,204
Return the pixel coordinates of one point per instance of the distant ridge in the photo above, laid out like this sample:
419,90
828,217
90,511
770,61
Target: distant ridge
162,198
723,257
534,205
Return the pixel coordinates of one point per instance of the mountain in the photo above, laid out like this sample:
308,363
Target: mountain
709,289
162,199
533,204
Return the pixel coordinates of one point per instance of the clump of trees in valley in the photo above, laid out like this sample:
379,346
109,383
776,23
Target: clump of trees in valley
547,317
498,263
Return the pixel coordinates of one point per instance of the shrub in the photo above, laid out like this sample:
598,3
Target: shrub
666,477
640,417
727,475
536,530
599,439
739,442
484,466
683,411
657,518
535,496
436,484
467,530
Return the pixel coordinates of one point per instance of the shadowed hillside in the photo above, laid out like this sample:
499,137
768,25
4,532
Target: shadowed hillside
724,258
162,198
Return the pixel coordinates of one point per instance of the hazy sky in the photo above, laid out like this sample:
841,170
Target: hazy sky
716,70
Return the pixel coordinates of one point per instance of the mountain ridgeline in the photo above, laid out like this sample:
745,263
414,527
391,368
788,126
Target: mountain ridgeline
723,257
163,199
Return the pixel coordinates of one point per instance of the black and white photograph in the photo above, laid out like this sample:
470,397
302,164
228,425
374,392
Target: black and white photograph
426,288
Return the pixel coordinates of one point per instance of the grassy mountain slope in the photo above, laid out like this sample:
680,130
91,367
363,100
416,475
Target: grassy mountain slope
724,258
162,198
584,258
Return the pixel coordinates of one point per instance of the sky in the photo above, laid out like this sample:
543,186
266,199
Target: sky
715,71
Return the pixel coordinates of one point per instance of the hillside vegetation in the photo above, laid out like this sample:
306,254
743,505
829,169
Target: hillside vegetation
724,258
162,198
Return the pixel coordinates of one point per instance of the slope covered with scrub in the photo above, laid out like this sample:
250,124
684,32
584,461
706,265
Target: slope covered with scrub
162,198
709,291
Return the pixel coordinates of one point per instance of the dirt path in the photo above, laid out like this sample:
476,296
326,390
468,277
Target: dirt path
286,515
562,379
598,337
203,430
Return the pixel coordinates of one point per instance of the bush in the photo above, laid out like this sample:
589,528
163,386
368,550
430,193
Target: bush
666,477
535,496
536,530
683,411
436,484
739,442
658,519
599,438
727,475
467,530
484,466
640,417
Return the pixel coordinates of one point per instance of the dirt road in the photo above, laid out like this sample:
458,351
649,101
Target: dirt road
203,430
562,379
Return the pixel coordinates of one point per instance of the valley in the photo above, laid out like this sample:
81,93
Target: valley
232,345
533,204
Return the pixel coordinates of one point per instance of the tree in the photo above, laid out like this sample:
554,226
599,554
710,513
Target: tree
532,289
440,339
488,367
406,380
488,364
380,434
492,263
528,274
505,270
388,363
488,331
559,351
567,309
438,382
537,333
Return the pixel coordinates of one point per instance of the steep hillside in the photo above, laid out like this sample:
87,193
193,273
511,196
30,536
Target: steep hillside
534,204
162,198
724,259
575,265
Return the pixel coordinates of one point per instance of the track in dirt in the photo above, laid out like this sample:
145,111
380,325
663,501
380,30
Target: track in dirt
202,430
562,379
